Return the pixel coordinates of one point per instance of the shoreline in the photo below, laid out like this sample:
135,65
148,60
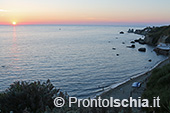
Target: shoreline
119,88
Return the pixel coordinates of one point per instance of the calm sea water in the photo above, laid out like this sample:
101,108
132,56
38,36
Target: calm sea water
77,59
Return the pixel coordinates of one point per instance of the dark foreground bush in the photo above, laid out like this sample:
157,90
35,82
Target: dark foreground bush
37,97
26,96
159,85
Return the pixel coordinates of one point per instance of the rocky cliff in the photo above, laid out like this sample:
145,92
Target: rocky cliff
155,35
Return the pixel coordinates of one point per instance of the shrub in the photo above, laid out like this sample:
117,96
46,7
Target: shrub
33,97
158,85
37,97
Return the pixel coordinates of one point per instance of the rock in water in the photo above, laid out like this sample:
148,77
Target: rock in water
142,49
137,40
132,46
121,32
114,48
150,60
141,41
132,42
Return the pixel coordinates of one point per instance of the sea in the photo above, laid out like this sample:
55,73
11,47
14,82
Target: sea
81,60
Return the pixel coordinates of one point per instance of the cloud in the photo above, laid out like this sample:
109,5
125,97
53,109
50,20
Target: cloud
2,10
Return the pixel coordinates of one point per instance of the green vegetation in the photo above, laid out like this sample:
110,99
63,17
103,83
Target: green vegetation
157,32
159,85
28,97
37,97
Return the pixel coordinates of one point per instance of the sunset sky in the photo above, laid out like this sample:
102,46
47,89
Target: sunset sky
84,11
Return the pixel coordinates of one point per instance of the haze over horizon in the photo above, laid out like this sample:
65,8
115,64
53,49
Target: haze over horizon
95,12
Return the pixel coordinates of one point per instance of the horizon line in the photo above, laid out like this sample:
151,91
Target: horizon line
113,24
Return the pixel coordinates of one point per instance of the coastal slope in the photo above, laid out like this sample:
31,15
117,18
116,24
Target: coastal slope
155,35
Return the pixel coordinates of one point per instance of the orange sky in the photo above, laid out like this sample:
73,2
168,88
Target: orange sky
84,11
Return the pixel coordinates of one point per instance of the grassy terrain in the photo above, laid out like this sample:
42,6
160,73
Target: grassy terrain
159,85
157,32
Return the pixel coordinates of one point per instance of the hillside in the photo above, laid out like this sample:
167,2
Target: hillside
155,35
158,85
160,34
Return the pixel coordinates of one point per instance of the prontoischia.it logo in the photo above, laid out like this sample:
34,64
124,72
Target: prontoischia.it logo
111,102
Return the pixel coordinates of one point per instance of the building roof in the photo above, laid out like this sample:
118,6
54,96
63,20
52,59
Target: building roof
163,46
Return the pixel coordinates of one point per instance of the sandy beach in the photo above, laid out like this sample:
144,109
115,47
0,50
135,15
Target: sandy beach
124,91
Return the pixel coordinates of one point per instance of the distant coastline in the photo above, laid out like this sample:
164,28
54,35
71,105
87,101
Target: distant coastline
145,32
124,89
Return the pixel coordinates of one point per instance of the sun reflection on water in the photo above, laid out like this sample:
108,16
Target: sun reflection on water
15,50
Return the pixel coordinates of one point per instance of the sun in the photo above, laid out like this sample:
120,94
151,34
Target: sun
14,23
